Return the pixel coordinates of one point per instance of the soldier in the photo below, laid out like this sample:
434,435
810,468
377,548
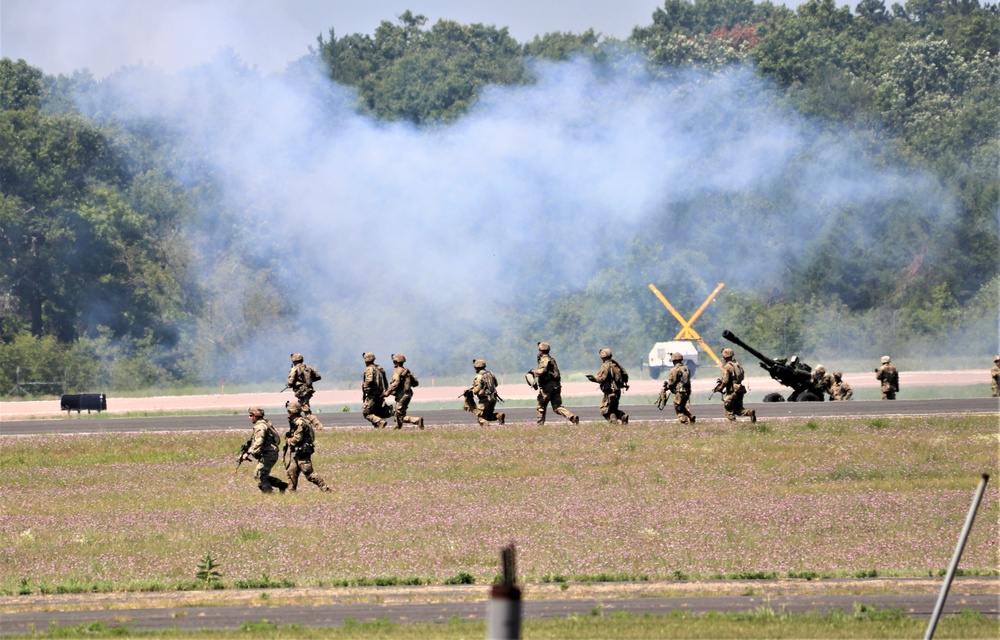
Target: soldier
401,387
822,382
300,380
300,443
840,389
549,386
678,382
888,375
484,387
731,386
264,448
373,386
613,378
995,372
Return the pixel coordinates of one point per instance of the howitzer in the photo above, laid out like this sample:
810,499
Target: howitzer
791,372
243,454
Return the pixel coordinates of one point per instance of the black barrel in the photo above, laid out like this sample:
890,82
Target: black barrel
84,401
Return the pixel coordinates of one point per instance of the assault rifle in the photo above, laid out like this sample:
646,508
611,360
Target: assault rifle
664,394
243,454
717,389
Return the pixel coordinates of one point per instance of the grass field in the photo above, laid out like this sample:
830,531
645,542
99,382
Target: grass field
807,498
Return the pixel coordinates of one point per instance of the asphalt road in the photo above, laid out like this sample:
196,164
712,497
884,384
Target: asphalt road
589,413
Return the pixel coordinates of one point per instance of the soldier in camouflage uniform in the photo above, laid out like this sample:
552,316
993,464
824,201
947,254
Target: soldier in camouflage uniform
678,382
264,448
822,382
373,386
300,380
995,372
549,386
613,378
401,387
731,386
301,443
840,389
888,375
484,387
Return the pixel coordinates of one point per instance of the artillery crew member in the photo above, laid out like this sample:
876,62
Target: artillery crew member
264,448
995,372
613,379
678,382
401,387
549,386
822,382
373,386
732,389
888,375
840,389
300,441
300,380
484,387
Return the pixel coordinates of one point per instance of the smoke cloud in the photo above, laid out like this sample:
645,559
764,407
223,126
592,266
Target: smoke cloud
434,241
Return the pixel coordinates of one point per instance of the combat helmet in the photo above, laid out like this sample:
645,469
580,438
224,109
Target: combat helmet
676,357
819,369
478,364
293,407
256,412
727,353
297,358
605,353
369,357
398,358
544,347
886,360
837,376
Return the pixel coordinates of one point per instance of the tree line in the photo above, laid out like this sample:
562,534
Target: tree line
99,283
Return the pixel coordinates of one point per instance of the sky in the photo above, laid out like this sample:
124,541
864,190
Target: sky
61,36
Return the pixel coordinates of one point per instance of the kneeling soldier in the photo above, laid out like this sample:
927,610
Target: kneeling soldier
484,387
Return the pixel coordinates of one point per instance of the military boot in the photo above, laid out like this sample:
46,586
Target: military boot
500,418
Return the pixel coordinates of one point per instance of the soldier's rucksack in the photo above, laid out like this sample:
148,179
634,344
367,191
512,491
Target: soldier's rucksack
313,376
620,374
271,435
490,385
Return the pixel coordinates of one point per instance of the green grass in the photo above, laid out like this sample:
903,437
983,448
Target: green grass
647,502
762,623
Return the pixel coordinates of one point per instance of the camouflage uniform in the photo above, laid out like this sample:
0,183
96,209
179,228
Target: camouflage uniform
678,382
840,389
613,378
822,382
995,372
300,379
401,388
549,386
264,448
484,387
888,375
300,440
373,385
731,386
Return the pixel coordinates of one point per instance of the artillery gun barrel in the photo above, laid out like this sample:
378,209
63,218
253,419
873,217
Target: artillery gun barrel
732,337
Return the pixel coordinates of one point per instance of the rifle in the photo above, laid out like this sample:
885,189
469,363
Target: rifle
717,389
664,394
243,454
286,387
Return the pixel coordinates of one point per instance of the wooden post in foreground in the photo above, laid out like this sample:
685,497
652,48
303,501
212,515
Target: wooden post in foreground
504,619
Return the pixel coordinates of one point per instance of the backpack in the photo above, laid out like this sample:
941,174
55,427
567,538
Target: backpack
313,376
413,379
621,375
271,435
490,385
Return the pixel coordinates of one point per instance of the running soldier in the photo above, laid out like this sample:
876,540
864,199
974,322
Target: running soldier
678,382
840,389
300,380
613,379
484,387
264,448
401,387
995,372
888,375
300,443
732,389
373,386
549,386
